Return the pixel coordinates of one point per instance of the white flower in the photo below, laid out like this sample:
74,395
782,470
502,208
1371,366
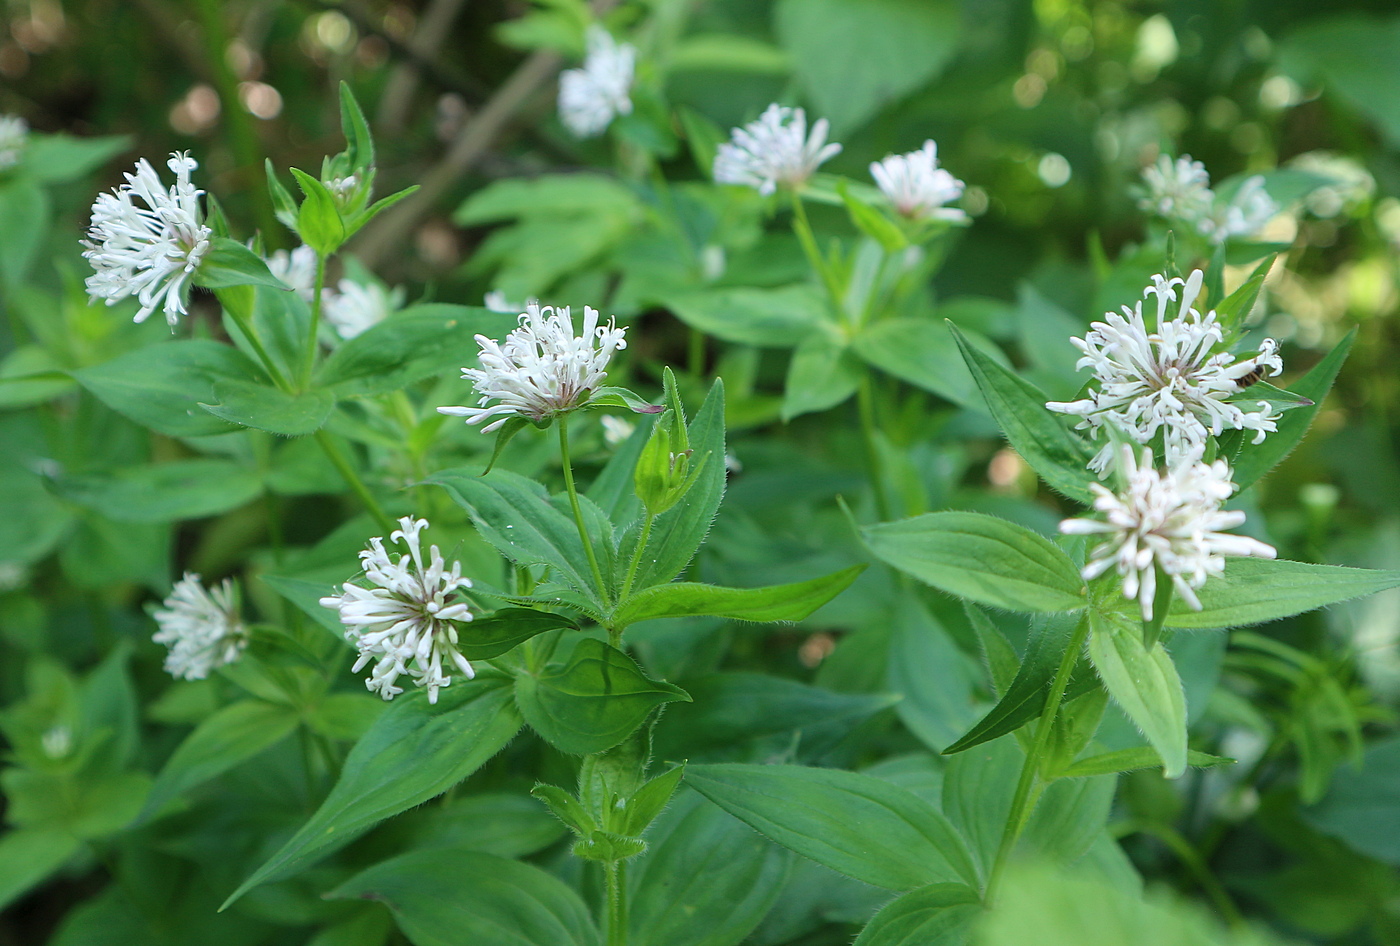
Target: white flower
1244,215
148,252
773,150
201,627
356,308
343,188
591,97
1172,380
1170,521
57,741
297,269
542,369
616,430
14,132
1179,189
409,616
496,301
917,186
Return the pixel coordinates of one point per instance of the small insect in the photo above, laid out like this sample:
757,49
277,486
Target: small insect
1244,381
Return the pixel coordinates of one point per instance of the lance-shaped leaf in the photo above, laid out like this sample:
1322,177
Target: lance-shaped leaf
231,735
981,558
855,824
1041,438
1257,459
939,913
515,515
413,752
230,263
1144,683
457,896
164,492
1130,760
592,702
28,855
501,630
1024,699
1255,590
267,408
307,596
792,602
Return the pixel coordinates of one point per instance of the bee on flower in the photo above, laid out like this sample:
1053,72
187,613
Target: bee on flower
775,150
542,369
1174,381
407,621
149,249
201,626
592,96
1169,521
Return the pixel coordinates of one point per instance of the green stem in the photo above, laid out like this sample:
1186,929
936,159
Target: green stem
637,556
615,876
1161,601
353,480
578,512
251,335
312,342
1020,809
866,402
808,239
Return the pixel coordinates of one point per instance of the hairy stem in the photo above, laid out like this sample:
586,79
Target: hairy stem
352,479
615,875
1020,809
578,511
637,556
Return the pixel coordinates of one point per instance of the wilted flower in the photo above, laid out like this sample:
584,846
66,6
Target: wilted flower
773,150
148,252
409,616
591,97
542,368
1170,521
917,186
1172,380
297,269
358,307
14,132
201,627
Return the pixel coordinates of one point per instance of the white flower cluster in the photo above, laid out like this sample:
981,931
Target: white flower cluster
408,620
1171,380
1170,521
917,186
148,251
592,96
352,307
774,150
296,268
1180,190
14,132
201,627
542,368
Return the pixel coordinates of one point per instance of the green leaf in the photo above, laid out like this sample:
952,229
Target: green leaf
1255,590
870,221
164,492
1144,683
230,263
855,56
283,205
856,824
1041,438
28,856
414,752
455,896
1351,54
677,533
773,318
1363,808
1257,459
318,220
25,208
232,735
923,353
1233,309
359,141
515,515
307,596
822,374
594,701
501,630
267,408
706,879
929,671
412,344
161,386
1024,699
1130,760
981,558
794,602
58,159
941,914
